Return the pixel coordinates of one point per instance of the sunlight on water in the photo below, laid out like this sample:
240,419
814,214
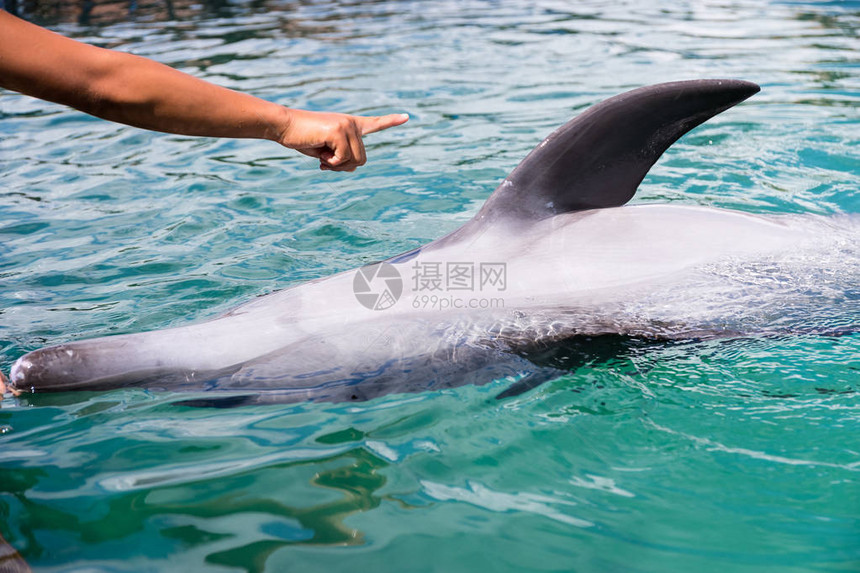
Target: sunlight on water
708,455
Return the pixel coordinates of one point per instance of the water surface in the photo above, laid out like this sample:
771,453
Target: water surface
738,455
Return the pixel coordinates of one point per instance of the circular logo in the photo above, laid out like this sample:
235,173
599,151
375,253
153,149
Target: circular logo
377,286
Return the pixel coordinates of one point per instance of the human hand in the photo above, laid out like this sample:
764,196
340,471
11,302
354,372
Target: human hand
5,388
333,138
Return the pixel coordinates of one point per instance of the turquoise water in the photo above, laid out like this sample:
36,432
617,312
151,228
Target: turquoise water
738,455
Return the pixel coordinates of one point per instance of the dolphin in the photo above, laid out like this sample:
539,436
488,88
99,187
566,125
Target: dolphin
553,264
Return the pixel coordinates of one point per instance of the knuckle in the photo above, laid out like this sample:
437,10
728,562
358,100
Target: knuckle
344,123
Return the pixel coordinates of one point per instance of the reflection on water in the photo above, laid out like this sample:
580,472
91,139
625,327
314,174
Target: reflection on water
234,526
103,12
107,12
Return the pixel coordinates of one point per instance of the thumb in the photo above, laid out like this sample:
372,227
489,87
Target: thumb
378,123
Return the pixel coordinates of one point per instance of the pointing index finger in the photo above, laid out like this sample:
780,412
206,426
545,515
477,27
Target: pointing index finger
378,123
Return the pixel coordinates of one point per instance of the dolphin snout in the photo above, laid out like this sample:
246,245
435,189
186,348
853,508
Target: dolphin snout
54,368
17,381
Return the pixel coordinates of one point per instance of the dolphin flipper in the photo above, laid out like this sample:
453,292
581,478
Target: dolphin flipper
562,357
529,382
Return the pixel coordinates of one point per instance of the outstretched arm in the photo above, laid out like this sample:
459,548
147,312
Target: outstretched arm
140,92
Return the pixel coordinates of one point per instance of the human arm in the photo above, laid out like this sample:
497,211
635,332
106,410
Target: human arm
136,91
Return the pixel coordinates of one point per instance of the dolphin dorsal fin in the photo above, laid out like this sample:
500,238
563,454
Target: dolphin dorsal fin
599,158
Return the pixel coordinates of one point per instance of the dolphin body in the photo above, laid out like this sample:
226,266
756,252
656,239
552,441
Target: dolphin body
552,259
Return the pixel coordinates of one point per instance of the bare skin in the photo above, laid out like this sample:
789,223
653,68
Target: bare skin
140,92
5,388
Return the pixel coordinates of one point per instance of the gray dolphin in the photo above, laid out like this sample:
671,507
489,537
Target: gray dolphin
552,259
